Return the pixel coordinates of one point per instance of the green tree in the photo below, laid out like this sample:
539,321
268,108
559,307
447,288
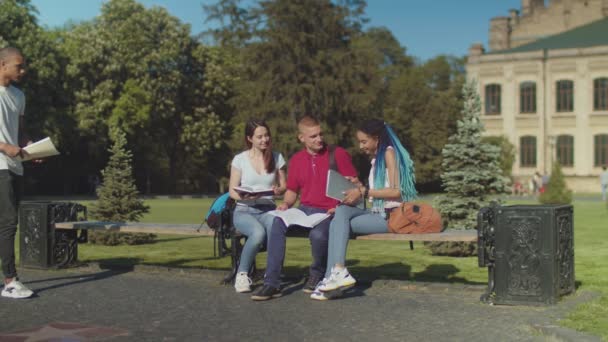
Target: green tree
471,172
507,153
471,175
423,103
141,70
556,191
118,197
297,59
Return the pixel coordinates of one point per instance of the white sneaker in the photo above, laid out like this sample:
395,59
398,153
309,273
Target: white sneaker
242,283
338,279
15,289
318,294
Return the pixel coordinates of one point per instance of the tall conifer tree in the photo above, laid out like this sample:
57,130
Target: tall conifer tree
118,200
471,173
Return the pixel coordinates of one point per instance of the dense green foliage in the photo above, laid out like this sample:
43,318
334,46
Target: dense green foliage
507,152
556,191
182,102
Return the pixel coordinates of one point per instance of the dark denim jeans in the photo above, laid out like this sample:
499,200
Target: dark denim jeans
318,236
10,190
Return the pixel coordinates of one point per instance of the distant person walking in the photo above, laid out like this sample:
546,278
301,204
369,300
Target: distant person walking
12,108
604,182
538,183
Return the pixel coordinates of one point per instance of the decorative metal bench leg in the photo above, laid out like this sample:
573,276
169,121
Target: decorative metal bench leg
411,245
236,247
488,296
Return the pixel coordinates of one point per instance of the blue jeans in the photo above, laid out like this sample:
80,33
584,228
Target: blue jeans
346,218
255,223
276,248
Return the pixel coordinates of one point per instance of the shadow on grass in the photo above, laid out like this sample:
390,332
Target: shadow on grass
159,241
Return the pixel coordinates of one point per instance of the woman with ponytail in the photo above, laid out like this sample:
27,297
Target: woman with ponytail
258,167
391,181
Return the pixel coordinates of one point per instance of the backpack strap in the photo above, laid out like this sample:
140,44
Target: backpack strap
332,157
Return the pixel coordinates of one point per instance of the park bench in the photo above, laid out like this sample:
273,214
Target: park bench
237,240
521,269
227,232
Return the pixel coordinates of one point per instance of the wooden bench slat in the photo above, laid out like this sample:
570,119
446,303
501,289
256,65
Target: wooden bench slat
138,227
469,235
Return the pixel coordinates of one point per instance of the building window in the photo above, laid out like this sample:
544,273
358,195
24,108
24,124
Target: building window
493,99
600,93
527,97
565,150
527,151
601,150
565,96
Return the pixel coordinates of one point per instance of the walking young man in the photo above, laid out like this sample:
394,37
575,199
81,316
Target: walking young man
12,106
307,177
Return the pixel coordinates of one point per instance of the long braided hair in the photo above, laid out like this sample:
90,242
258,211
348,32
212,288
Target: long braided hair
387,137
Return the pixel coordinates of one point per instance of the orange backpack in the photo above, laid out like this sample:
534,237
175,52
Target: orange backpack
414,218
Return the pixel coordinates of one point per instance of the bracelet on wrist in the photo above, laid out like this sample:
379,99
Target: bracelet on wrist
366,193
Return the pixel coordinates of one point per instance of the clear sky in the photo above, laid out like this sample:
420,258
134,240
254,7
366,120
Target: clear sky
426,28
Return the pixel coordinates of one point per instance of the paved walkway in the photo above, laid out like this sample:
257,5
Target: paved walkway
152,304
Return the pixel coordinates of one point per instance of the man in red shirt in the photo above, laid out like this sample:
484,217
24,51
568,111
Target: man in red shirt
307,176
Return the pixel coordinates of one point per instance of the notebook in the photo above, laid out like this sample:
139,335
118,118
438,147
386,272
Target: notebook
337,185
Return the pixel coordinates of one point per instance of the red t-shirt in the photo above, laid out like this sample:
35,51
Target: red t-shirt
307,174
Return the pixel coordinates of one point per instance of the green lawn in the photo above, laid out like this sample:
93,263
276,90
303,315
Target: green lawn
376,259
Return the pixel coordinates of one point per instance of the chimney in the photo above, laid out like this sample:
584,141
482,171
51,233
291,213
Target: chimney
475,52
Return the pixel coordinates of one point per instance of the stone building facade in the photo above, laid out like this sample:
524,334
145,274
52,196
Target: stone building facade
544,85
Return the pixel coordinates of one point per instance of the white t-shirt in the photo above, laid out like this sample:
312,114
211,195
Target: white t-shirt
250,177
12,106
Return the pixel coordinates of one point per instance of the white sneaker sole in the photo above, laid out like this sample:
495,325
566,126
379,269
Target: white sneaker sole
343,286
16,296
317,297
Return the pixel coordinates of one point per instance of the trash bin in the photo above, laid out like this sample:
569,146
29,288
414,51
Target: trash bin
529,252
41,246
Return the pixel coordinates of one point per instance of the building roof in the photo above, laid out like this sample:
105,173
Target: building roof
592,34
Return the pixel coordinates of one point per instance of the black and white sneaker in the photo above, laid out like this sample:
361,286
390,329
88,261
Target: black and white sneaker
311,284
266,292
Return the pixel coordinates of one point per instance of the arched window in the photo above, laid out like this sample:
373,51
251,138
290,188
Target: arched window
600,93
527,151
493,99
564,94
565,150
527,97
600,149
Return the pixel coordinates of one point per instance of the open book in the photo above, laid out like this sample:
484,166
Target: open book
253,190
297,217
40,149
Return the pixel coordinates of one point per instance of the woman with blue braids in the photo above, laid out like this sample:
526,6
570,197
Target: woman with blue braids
391,181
